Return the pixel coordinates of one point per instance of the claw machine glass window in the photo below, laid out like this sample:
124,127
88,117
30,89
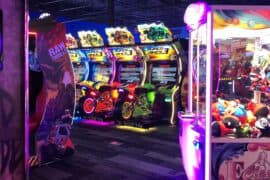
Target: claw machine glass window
198,61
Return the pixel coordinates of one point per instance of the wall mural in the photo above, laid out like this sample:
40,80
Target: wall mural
10,157
12,92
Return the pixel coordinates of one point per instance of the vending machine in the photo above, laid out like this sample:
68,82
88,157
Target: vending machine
224,132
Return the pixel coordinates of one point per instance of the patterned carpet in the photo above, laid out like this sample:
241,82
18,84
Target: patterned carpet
108,153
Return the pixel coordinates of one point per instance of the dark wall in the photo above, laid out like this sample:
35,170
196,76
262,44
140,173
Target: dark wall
12,91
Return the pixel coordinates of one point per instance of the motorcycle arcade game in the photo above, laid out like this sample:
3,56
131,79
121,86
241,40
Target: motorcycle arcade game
130,74
225,132
52,91
98,100
80,66
164,67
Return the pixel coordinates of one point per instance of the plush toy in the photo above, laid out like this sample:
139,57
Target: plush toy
262,123
256,78
230,119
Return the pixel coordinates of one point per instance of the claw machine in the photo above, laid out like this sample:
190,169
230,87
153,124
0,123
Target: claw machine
225,131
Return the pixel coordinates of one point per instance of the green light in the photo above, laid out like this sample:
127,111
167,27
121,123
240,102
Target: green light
151,96
168,99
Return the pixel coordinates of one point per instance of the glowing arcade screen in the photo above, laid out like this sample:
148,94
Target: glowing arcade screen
101,68
164,73
80,65
130,72
101,72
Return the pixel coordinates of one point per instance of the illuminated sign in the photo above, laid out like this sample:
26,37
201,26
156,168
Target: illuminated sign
195,14
96,54
90,39
76,56
124,53
154,32
71,42
161,52
119,36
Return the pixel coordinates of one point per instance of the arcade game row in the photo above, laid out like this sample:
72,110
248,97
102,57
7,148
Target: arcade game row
137,85
225,132
94,73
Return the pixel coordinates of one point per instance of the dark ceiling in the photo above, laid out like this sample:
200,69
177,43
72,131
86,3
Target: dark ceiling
125,12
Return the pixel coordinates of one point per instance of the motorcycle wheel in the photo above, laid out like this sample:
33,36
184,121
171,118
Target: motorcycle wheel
127,110
89,105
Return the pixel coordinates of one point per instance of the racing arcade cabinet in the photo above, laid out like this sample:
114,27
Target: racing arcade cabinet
130,73
164,67
98,102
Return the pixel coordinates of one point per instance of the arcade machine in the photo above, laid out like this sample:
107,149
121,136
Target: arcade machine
98,101
130,73
52,102
224,133
164,67
80,66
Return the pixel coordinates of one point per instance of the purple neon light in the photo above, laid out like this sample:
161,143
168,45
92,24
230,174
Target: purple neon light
26,98
208,114
195,14
192,156
96,122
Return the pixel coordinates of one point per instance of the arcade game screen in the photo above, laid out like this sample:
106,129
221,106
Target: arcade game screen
100,67
101,72
130,72
163,64
164,73
80,65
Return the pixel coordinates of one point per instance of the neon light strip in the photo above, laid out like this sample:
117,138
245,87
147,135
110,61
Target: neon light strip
208,95
180,68
145,58
26,90
172,119
136,129
96,122
190,61
144,65
32,33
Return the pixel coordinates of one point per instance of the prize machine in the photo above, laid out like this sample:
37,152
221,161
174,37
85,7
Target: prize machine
80,66
99,100
164,67
225,132
130,73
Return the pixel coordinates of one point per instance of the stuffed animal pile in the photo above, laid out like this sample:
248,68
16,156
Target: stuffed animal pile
233,119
